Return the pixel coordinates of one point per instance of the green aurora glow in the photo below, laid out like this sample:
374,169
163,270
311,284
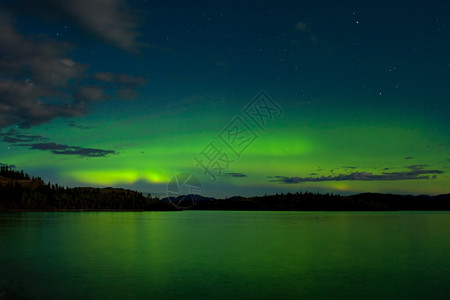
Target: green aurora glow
344,109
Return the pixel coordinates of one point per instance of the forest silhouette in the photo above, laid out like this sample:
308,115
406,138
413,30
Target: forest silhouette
22,192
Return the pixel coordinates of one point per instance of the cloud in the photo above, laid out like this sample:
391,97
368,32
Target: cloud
20,103
40,81
416,167
42,60
74,125
238,175
361,176
90,94
111,21
125,84
12,136
38,142
70,150
120,79
33,70
409,157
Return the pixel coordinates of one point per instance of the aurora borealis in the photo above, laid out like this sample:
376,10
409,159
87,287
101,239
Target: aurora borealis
128,94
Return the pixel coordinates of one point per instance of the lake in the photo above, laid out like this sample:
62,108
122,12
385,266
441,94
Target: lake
225,255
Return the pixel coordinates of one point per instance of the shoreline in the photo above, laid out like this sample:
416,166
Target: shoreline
78,210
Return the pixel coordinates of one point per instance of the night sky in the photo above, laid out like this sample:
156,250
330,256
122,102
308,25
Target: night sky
252,97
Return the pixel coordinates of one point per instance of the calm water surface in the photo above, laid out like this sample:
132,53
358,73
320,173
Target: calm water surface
225,255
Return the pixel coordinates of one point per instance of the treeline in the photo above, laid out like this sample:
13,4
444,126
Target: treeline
301,201
13,196
9,172
19,191
22,192
327,202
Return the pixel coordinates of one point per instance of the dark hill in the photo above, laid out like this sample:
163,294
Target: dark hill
329,202
18,191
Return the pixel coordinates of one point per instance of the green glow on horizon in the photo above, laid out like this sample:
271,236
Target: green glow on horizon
291,147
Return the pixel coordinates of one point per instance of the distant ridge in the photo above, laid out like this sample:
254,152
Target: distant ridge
328,202
20,192
321,202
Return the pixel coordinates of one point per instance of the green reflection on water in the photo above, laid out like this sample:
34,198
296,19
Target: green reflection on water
223,255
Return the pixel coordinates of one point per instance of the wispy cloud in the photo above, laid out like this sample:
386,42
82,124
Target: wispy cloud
111,21
121,79
13,136
40,81
125,85
416,167
32,70
70,150
238,175
362,176
38,142
74,125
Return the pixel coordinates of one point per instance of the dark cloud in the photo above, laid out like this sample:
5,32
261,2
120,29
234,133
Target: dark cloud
20,103
416,167
70,150
37,142
33,70
74,125
40,81
13,136
362,176
409,157
239,175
